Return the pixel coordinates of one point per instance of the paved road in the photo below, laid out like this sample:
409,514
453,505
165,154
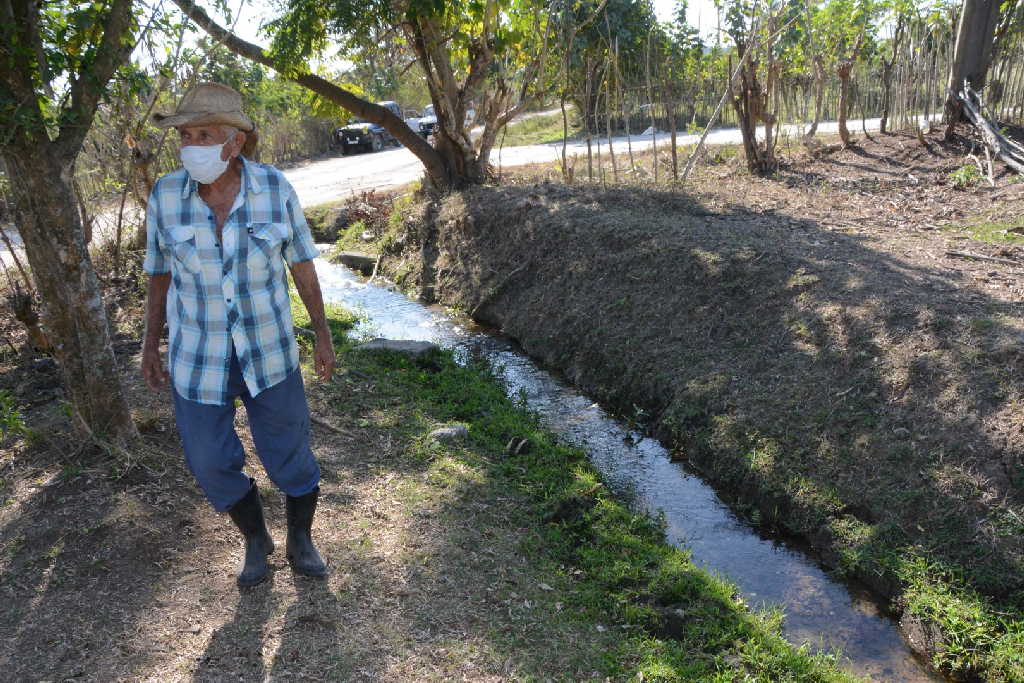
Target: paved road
329,180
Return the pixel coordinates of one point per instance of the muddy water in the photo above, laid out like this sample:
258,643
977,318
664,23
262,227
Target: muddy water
819,610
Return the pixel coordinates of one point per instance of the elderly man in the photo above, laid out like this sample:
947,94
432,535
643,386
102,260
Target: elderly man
220,232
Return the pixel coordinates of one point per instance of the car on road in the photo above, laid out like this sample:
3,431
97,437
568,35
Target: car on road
428,122
366,136
412,119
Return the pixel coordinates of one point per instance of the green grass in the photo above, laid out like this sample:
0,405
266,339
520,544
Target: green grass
539,130
350,239
993,232
611,569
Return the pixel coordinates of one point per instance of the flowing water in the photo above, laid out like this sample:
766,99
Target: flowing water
819,610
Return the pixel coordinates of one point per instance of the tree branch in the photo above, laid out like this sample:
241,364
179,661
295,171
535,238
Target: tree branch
89,84
22,120
364,109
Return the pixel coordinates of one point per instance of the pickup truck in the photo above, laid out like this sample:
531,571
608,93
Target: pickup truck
366,136
428,123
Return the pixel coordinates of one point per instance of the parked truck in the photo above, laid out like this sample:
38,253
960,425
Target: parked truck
360,135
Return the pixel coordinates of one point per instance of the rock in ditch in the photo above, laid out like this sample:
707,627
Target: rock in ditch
356,260
406,346
446,434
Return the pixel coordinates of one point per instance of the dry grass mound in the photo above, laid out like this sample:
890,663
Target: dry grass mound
858,387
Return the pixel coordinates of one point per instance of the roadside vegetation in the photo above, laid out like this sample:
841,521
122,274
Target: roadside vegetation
542,129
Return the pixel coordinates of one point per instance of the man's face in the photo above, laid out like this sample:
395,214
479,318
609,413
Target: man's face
208,136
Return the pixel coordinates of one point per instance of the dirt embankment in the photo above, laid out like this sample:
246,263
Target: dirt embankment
844,381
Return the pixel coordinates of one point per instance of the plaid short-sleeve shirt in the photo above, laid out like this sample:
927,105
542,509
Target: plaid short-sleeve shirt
232,293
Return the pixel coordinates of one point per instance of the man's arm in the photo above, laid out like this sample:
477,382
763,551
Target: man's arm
156,314
308,286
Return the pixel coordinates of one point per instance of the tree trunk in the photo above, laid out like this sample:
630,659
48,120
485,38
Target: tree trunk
819,95
844,101
819,68
972,55
844,70
748,101
887,67
40,167
883,123
74,316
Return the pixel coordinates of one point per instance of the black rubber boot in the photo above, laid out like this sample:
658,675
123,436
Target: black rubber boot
302,555
247,514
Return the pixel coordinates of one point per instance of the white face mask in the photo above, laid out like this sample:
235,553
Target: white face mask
203,162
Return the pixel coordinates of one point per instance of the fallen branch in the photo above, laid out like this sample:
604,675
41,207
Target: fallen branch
977,162
983,257
329,427
1011,153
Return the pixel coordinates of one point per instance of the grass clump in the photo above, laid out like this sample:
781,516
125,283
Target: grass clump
539,130
12,421
351,237
996,232
967,175
983,229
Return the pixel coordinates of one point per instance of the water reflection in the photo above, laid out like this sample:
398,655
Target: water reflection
818,610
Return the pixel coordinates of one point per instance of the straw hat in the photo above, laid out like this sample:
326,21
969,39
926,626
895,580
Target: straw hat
207,104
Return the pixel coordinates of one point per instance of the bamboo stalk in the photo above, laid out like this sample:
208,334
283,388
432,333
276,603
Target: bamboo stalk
625,109
608,120
650,101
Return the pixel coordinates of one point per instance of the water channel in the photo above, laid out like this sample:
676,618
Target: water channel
818,609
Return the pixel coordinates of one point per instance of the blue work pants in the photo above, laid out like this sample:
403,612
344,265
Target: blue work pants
279,423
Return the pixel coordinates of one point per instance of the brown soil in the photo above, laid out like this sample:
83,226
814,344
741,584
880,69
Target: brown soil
808,341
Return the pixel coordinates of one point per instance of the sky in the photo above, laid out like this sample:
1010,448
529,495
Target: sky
699,13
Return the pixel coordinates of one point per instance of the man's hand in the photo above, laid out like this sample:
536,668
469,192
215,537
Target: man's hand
156,304
153,370
323,356
308,286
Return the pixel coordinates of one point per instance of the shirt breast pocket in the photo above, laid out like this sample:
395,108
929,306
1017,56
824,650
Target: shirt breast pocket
181,241
266,245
